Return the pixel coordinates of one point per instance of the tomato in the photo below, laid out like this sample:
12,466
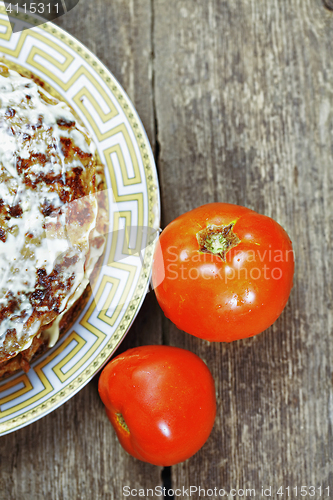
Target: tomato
223,272
161,402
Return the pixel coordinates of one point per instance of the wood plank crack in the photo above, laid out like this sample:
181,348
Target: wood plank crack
156,146
328,4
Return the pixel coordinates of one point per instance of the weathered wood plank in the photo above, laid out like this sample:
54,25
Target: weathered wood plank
244,101
73,453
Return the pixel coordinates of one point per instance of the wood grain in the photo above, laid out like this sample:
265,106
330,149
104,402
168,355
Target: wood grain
244,102
73,453
237,100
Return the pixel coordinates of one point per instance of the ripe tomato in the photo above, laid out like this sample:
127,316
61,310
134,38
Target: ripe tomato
161,402
223,272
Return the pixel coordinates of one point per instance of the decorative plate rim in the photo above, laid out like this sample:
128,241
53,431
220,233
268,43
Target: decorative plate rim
154,211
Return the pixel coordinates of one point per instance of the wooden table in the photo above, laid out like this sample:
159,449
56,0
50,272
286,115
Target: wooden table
237,101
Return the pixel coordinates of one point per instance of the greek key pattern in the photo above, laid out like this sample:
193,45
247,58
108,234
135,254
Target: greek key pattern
74,74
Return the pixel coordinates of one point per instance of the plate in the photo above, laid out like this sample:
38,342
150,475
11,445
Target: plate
70,70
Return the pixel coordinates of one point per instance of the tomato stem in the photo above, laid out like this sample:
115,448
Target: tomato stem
217,240
122,422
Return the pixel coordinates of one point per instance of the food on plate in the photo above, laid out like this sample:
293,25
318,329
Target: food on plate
161,402
49,237
223,272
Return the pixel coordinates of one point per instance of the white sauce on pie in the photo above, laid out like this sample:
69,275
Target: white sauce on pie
32,240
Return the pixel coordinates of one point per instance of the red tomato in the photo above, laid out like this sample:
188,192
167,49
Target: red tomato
161,402
223,272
